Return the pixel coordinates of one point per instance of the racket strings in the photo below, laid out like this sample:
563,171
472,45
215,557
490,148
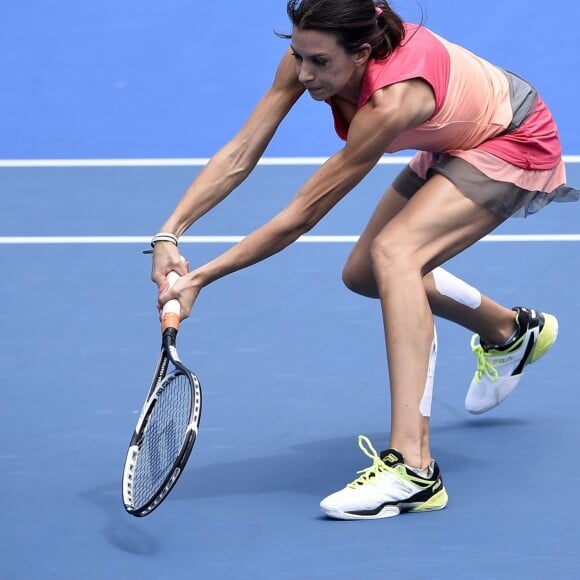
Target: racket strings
163,438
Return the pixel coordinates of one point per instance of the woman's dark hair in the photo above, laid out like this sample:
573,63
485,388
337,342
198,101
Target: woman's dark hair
352,22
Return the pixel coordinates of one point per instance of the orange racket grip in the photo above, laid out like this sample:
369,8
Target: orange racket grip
170,320
171,311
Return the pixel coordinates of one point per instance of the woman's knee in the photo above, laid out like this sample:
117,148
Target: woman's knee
389,256
358,277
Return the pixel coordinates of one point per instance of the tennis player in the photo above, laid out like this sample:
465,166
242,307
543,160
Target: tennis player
487,149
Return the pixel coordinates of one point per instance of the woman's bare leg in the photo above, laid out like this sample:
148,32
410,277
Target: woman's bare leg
492,321
436,224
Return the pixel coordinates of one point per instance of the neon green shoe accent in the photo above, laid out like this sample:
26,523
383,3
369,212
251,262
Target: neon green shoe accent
484,367
498,370
437,502
377,467
386,489
547,337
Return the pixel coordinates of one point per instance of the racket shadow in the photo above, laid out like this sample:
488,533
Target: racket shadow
119,531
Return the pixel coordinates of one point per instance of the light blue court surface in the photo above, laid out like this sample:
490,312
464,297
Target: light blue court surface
293,369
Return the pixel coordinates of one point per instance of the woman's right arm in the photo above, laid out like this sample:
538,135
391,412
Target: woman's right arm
230,165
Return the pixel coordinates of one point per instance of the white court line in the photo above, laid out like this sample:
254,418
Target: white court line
195,162
185,162
317,239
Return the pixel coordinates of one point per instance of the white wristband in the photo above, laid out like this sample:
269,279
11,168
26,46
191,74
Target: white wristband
163,237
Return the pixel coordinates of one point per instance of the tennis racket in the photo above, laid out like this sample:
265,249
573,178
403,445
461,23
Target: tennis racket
167,426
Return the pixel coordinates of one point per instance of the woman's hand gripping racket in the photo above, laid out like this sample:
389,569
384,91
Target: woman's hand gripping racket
167,427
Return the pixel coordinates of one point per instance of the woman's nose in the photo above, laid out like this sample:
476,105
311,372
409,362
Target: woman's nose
305,73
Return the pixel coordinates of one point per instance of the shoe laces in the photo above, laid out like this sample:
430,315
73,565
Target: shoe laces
484,366
378,466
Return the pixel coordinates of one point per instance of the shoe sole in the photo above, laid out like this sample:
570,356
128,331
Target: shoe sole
435,503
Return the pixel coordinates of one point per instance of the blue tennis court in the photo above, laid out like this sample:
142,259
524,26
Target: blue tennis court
292,364
293,370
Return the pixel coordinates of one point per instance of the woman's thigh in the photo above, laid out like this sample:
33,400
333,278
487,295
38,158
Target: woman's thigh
437,223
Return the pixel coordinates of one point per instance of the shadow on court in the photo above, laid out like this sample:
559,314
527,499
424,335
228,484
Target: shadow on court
308,468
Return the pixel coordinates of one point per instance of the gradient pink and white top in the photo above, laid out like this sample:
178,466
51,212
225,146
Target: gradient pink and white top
473,105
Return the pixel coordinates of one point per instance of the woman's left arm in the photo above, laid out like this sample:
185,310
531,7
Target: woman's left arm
390,111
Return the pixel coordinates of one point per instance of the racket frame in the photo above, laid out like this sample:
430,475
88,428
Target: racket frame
167,355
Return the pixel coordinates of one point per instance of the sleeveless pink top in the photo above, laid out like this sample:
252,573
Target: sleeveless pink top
472,99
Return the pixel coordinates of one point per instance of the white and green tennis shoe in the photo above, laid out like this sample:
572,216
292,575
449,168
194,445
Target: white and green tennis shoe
499,370
385,489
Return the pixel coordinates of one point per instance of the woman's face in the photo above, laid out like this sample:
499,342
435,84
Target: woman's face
323,66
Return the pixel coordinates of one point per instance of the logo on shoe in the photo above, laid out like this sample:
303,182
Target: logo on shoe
390,458
503,361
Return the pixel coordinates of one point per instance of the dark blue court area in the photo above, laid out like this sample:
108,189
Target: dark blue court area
291,363
293,369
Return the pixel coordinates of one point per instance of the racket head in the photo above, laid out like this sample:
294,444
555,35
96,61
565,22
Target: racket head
163,439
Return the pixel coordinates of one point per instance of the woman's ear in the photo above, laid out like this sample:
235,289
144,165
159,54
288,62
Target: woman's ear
363,54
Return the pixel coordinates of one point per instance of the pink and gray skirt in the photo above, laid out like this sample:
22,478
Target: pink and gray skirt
514,174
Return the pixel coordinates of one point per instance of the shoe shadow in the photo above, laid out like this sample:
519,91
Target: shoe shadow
312,468
319,467
481,423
